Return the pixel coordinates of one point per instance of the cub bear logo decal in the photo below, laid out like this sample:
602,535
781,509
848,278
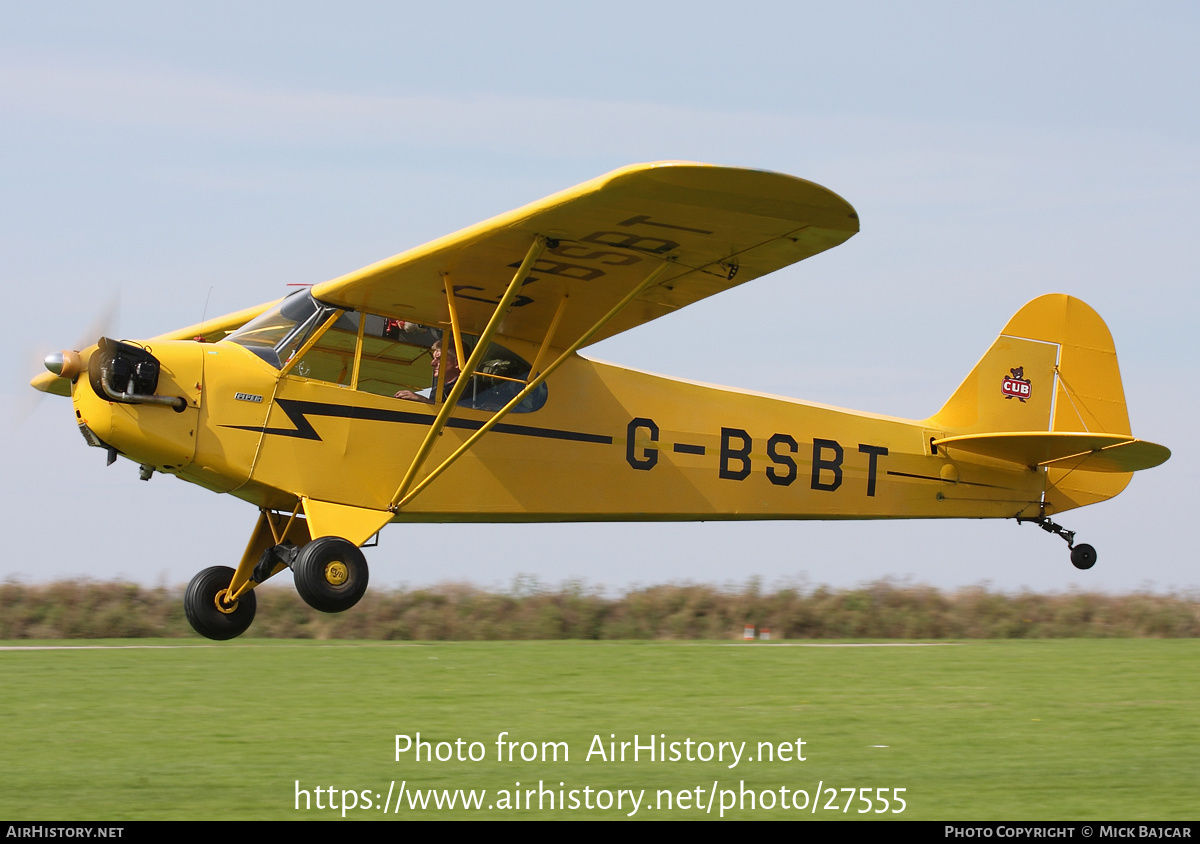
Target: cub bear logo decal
1017,385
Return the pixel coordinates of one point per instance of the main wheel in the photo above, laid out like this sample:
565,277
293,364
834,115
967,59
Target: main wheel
1083,556
330,574
209,614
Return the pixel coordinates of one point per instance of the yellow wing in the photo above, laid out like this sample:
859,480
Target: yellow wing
217,328
717,226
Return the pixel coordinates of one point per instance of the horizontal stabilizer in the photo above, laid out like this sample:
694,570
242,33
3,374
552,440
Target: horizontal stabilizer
1062,450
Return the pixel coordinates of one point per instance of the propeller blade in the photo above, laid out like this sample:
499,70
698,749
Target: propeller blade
43,379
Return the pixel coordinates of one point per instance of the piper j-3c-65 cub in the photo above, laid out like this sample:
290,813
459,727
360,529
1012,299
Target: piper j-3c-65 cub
445,384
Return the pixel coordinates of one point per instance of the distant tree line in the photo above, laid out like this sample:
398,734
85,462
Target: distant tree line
881,610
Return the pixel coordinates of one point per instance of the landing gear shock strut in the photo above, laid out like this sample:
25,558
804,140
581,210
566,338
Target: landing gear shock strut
1083,556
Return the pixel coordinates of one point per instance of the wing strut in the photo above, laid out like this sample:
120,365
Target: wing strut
468,370
452,306
400,499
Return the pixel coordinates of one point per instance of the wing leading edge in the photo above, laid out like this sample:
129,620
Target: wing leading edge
715,227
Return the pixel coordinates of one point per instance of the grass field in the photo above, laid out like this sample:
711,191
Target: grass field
1012,730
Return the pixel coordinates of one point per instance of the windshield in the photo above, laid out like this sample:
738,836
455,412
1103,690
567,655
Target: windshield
273,326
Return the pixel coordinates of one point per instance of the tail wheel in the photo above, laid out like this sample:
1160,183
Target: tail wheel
210,612
330,574
1083,556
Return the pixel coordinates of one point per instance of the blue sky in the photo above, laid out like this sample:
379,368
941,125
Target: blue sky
181,155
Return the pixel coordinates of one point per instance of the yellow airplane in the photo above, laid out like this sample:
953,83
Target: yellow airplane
444,385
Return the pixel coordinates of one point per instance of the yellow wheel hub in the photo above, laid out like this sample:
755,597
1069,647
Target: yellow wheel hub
222,606
337,573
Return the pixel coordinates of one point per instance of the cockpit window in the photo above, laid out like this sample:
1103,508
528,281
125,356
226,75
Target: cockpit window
395,358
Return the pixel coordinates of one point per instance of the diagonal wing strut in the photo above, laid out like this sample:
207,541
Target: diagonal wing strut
404,495
535,251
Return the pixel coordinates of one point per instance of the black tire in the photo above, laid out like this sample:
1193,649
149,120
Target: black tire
1083,556
330,574
200,606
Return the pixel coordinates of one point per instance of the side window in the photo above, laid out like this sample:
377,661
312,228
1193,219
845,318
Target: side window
391,360
501,375
407,357
331,358
395,356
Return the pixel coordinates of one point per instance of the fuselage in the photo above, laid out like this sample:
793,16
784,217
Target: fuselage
609,443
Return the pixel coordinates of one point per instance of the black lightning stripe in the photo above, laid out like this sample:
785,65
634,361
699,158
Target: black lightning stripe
299,411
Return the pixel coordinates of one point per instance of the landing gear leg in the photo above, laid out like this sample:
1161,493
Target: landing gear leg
220,602
1083,556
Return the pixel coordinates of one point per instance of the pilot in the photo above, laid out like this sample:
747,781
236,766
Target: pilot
439,362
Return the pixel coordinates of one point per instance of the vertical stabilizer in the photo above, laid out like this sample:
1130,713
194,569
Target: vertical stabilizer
1053,368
